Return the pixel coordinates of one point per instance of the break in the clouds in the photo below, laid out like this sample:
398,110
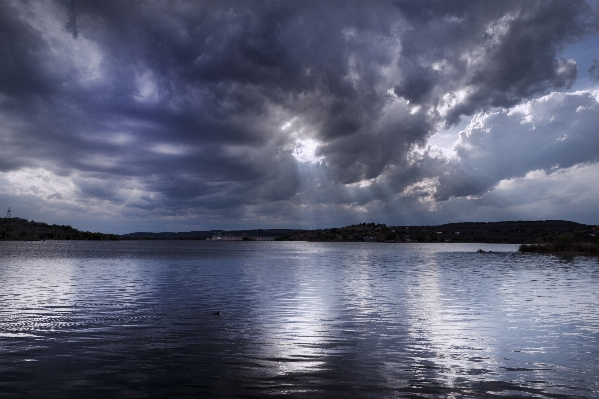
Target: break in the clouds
123,116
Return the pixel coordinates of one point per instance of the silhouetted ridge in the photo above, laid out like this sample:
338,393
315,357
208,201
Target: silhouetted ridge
514,232
17,229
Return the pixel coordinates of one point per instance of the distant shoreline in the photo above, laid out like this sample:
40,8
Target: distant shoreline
17,229
545,235
510,232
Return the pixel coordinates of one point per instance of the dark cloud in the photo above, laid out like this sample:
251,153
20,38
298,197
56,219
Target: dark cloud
594,70
495,54
199,105
71,25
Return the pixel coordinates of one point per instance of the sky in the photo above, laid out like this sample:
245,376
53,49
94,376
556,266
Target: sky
194,115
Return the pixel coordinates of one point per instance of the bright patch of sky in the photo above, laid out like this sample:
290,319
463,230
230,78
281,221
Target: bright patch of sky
584,53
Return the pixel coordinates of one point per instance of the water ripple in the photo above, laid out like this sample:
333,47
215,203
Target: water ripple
137,319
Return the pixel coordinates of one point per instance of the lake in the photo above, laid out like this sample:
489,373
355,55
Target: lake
136,319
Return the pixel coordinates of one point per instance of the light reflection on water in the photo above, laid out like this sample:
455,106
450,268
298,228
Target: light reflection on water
135,319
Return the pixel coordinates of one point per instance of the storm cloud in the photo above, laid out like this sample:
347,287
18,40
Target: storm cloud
555,131
231,113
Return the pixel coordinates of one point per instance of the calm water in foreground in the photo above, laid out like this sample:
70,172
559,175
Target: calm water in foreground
314,320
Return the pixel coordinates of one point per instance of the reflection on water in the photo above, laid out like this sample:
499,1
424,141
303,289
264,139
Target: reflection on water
136,319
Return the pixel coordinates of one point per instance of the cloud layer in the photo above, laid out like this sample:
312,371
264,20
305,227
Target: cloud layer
262,113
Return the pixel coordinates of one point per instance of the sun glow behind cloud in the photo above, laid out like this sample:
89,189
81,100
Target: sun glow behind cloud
305,150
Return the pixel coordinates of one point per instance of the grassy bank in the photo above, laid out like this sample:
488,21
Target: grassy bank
562,246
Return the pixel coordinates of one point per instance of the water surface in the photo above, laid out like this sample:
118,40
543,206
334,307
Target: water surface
136,319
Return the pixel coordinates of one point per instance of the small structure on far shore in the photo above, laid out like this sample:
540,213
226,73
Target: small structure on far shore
8,215
219,237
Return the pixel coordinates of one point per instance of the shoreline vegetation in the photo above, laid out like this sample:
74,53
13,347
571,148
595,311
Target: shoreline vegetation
544,236
561,248
17,229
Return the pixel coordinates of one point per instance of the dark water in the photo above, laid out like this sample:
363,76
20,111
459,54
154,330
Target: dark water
314,320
